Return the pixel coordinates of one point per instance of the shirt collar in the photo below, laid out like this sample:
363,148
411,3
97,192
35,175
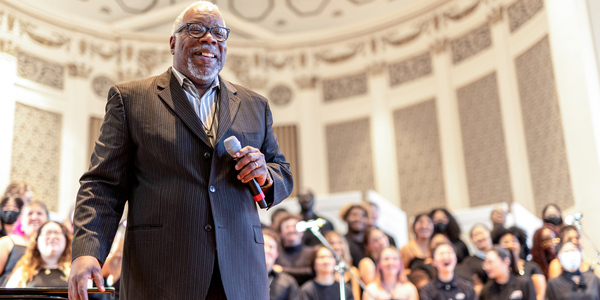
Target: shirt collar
180,78
443,285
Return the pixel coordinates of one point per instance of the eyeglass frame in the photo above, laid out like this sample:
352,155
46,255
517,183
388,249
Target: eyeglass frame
208,29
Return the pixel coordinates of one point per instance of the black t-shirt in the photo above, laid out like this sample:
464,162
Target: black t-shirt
357,250
470,266
517,287
531,268
312,290
282,287
563,288
457,289
296,262
462,251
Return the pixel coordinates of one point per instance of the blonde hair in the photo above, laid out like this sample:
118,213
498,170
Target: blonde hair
31,263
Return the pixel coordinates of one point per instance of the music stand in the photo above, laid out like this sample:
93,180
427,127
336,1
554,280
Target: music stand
51,293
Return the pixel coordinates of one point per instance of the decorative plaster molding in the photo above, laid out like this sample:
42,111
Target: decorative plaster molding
329,57
40,71
101,84
97,49
495,14
80,70
521,11
458,13
8,47
345,87
306,82
410,69
471,43
261,16
281,95
296,6
59,40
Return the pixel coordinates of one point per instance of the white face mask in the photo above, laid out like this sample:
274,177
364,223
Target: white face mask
570,261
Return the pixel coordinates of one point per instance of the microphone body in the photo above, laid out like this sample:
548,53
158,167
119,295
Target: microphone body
232,145
302,226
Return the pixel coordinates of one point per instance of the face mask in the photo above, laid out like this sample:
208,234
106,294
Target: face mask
570,261
554,221
440,227
9,217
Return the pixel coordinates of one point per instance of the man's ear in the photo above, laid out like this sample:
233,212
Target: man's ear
172,41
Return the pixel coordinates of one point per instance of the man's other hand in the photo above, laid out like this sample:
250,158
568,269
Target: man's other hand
84,268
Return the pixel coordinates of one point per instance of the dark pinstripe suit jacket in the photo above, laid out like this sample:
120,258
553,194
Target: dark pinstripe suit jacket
185,202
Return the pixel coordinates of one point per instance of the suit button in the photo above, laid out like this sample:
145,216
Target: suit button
206,155
212,189
208,227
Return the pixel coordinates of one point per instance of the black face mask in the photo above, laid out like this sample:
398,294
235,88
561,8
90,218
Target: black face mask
556,221
9,217
441,227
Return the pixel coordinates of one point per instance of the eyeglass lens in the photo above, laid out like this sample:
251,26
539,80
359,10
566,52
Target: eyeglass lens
198,31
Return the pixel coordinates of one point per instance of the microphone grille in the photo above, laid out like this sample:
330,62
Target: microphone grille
232,145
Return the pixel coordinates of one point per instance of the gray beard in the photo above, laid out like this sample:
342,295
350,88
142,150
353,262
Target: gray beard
203,76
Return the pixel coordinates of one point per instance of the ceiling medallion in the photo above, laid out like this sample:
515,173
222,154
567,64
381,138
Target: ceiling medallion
306,8
254,10
280,95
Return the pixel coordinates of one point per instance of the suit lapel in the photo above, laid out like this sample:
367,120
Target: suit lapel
172,94
230,103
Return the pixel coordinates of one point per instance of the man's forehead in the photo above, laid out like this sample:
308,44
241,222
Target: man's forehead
204,15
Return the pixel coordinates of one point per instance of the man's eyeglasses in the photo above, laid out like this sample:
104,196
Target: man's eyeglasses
198,31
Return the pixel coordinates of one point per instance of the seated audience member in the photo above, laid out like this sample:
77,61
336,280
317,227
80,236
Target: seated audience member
19,189
323,285
12,247
512,239
356,215
294,257
421,275
498,218
552,215
446,285
11,209
572,284
391,282
543,250
373,217
306,199
276,216
282,286
570,233
504,279
340,246
445,223
471,268
47,262
375,240
416,251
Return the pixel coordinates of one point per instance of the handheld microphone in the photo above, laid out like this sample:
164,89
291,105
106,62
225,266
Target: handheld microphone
232,145
302,226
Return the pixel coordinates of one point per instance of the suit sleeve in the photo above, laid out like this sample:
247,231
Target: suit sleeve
104,187
277,166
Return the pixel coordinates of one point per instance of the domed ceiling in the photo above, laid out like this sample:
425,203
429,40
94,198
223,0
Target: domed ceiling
250,20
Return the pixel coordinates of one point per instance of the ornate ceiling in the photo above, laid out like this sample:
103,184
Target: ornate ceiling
250,20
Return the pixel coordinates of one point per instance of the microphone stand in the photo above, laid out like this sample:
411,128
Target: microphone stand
577,224
342,265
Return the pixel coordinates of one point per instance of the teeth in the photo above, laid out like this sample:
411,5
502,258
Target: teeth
208,54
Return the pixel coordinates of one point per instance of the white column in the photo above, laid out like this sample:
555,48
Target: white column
512,119
311,139
74,147
577,80
8,74
453,159
383,142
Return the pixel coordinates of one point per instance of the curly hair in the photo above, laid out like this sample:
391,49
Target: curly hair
453,231
31,263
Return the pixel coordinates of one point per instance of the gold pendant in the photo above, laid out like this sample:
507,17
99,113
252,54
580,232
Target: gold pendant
47,272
